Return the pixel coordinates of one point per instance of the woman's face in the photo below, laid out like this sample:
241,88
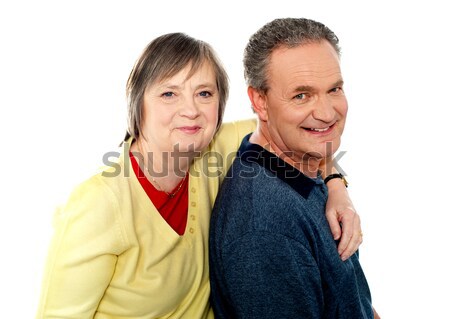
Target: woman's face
180,113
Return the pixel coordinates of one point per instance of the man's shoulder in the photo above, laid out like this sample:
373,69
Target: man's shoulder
251,191
247,178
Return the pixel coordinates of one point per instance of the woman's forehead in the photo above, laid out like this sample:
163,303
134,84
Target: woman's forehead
187,71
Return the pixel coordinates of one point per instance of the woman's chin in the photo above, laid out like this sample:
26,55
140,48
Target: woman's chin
189,148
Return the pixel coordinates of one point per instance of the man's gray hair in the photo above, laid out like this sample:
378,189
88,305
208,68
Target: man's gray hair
289,32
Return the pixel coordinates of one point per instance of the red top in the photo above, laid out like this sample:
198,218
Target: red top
174,209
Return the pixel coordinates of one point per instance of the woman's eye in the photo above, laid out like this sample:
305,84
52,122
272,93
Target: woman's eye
168,94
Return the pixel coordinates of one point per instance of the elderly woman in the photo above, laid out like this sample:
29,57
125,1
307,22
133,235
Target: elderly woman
131,241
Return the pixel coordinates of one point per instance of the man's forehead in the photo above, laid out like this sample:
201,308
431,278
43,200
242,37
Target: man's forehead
304,65
309,56
305,79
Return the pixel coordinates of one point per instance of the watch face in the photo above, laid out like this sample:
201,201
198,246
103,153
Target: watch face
344,180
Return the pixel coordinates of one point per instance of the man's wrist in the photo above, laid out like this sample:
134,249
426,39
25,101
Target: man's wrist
335,176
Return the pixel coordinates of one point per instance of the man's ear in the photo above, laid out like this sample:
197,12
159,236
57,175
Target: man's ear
259,102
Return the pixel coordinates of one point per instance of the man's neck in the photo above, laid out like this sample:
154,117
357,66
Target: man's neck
310,167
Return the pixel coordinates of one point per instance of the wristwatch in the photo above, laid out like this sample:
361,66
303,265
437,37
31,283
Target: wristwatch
337,175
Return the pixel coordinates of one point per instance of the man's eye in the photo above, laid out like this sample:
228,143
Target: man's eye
300,96
205,94
336,90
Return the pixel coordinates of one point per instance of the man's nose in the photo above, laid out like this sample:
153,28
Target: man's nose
324,109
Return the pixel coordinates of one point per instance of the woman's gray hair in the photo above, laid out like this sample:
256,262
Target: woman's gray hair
163,58
289,32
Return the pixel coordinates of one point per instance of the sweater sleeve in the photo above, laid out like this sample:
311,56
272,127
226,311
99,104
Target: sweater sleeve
83,253
271,276
228,139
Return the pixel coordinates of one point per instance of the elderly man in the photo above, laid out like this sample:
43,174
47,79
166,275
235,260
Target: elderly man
272,254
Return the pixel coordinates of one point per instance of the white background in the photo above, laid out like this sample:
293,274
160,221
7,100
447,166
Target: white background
63,69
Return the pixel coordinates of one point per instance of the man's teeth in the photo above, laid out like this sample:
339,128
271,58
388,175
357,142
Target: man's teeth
319,129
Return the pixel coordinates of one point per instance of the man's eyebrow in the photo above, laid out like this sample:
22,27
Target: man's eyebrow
338,83
308,88
303,88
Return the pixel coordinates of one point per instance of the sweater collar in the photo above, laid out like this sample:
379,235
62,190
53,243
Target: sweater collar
254,153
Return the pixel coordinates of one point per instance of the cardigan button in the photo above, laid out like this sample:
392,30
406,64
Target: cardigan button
193,204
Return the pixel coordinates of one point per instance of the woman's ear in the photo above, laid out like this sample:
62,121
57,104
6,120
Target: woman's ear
259,102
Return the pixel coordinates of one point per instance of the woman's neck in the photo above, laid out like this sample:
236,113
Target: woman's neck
164,169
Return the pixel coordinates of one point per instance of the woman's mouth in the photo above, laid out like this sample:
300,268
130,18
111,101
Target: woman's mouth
189,129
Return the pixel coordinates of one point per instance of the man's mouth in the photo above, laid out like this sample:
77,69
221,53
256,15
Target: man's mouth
319,130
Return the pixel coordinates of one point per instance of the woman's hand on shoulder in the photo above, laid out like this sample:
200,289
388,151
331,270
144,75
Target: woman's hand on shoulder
345,223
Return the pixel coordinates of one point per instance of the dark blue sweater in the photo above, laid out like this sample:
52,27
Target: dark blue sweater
272,254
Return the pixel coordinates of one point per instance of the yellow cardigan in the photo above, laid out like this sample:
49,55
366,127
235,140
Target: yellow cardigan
114,256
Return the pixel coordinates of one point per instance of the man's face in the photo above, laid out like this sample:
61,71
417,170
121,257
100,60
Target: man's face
305,104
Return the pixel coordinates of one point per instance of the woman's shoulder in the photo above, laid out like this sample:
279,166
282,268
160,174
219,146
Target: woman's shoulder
102,186
90,192
229,137
236,129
